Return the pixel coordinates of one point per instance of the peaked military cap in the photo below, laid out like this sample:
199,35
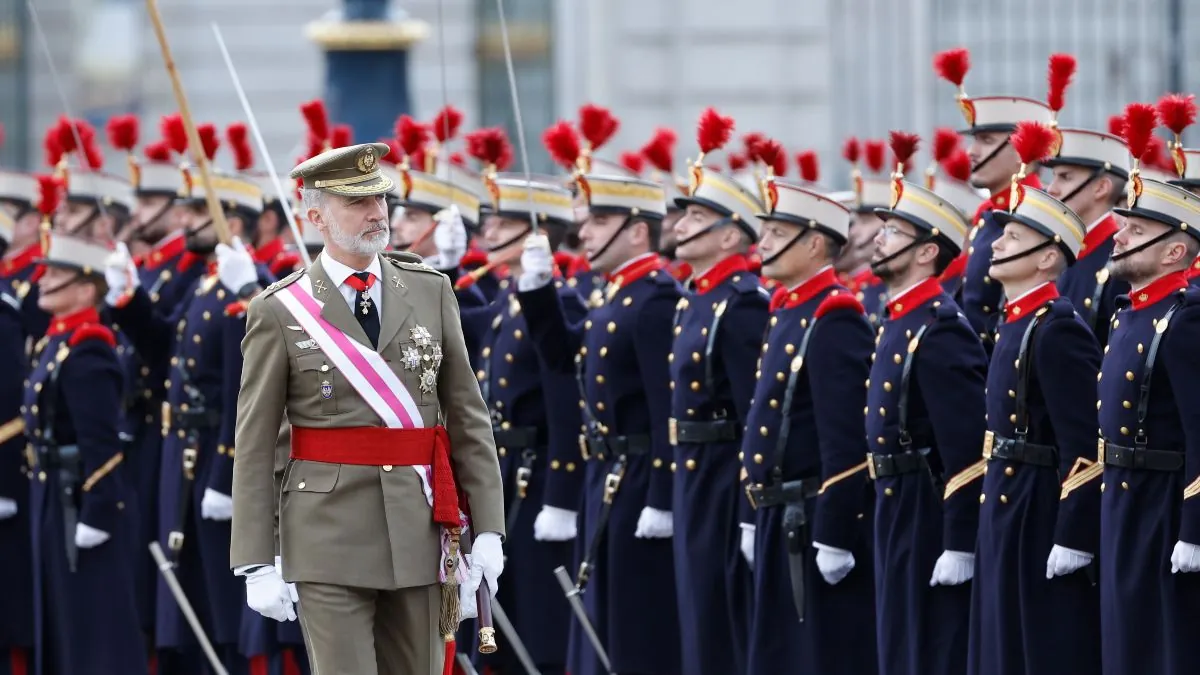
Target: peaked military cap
352,171
726,196
1046,215
1170,205
611,193
18,186
237,191
6,227
100,187
806,208
928,211
514,197
62,250
1092,149
432,193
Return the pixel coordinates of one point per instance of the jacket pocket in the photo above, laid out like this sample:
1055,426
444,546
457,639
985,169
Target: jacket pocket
312,477
316,372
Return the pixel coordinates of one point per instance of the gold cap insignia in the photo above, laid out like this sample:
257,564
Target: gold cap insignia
897,191
1133,190
366,161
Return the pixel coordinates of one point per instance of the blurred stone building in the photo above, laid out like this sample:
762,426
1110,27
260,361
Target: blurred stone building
808,72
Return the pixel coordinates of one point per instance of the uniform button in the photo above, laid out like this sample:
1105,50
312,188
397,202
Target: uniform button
508,358
672,386
780,376
741,455
502,451
672,467
763,430
612,326
887,386
696,357
196,338
774,403
518,334
1116,322
695,386
174,362
570,466
887,492
1008,471
603,352
704,332
1099,375
1141,347
896,358
866,410
37,387
1106,348
300,486
587,324
986,280
982,498
1102,487
1124,431
555,464
599,379
1124,485
627,302
583,351
678,330
757,374
658,462
600,405
883,412
867,384
1127,404
790,349
804,323
487,351
1129,375
503,382
33,409
670,358
42,476
758,459
1012,394
1012,418
387,467
1087,302
479,375
1097,405
505,426
765,346
880,440
207,315
690,464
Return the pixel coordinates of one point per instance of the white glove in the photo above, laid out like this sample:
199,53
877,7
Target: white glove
655,524
1064,561
537,263
554,524
834,563
467,608
487,562
268,594
8,508
216,506
1185,558
120,274
235,266
748,542
953,568
450,238
87,536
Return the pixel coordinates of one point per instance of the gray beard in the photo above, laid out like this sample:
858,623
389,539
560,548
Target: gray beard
365,244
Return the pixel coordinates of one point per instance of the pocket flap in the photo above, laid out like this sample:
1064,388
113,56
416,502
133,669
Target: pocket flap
312,477
307,362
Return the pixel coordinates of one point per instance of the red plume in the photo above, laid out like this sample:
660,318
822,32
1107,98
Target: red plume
93,157
904,146
771,153
753,143
1032,141
65,131
1140,120
54,149
738,161
958,166
123,132
660,150
952,65
243,156
446,122
50,190
491,147
633,161
713,131
1062,69
874,152
851,150
562,143
411,134
1156,149
341,136
1,135
1116,125
457,159
945,142
1177,112
158,152
209,140
395,152
810,167
173,132
597,125
314,146
316,117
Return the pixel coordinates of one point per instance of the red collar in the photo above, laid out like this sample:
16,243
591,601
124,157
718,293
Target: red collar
805,291
678,269
914,297
728,267
173,245
1030,302
864,279
268,252
636,270
1194,270
955,269
63,325
1102,232
1158,289
20,261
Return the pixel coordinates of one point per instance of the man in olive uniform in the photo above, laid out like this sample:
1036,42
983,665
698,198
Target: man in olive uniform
365,354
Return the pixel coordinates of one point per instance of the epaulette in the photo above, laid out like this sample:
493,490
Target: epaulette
746,284
1190,296
841,301
662,278
11,301
944,312
282,283
1061,308
408,261
92,331
1122,301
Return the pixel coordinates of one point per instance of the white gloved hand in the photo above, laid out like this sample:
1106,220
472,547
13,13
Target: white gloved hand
747,543
834,563
87,536
655,524
487,562
467,606
8,508
554,524
120,274
1185,558
216,506
235,266
953,568
537,263
1064,561
268,594
450,238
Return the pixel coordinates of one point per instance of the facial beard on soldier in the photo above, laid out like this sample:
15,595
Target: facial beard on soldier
358,226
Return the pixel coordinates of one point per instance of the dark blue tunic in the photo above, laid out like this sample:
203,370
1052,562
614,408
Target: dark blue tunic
16,566
1088,284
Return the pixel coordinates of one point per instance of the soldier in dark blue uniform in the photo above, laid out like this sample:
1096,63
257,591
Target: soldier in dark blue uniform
925,421
535,420
719,326
1150,441
83,510
1035,607
201,341
619,356
1090,171
16,567
870,193
803,454
21,197
1188,179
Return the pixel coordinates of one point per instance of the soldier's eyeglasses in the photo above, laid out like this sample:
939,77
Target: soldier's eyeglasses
889,231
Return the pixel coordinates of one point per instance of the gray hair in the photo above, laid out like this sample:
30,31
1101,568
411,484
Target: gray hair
312,198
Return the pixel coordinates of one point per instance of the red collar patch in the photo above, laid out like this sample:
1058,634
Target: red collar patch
914,297
805,291
1158,289
62,325
1102,232
1030,302
728,267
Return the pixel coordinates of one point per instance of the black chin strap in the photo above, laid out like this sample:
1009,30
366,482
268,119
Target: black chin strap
510,242
139,229
69,282
992,155
81,229
1022,254
189,237
880,264
720,223
608,244
794,240
1138,249
1094,175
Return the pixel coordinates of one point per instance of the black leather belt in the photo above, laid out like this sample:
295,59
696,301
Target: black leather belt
762,496
712,431
636,444
1014,450
1141,458
883,466
517,437
190,418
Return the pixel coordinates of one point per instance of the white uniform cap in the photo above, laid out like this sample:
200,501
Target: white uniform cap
101,187
1170,205
19,187
428,192
1092,149
623,194
232,191
514,197
62,250
1037,210
928,211
726,196
807,208
1002,113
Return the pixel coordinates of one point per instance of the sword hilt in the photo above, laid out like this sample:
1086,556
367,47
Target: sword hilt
487,632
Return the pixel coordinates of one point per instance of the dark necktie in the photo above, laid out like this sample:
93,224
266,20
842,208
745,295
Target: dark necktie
364,308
